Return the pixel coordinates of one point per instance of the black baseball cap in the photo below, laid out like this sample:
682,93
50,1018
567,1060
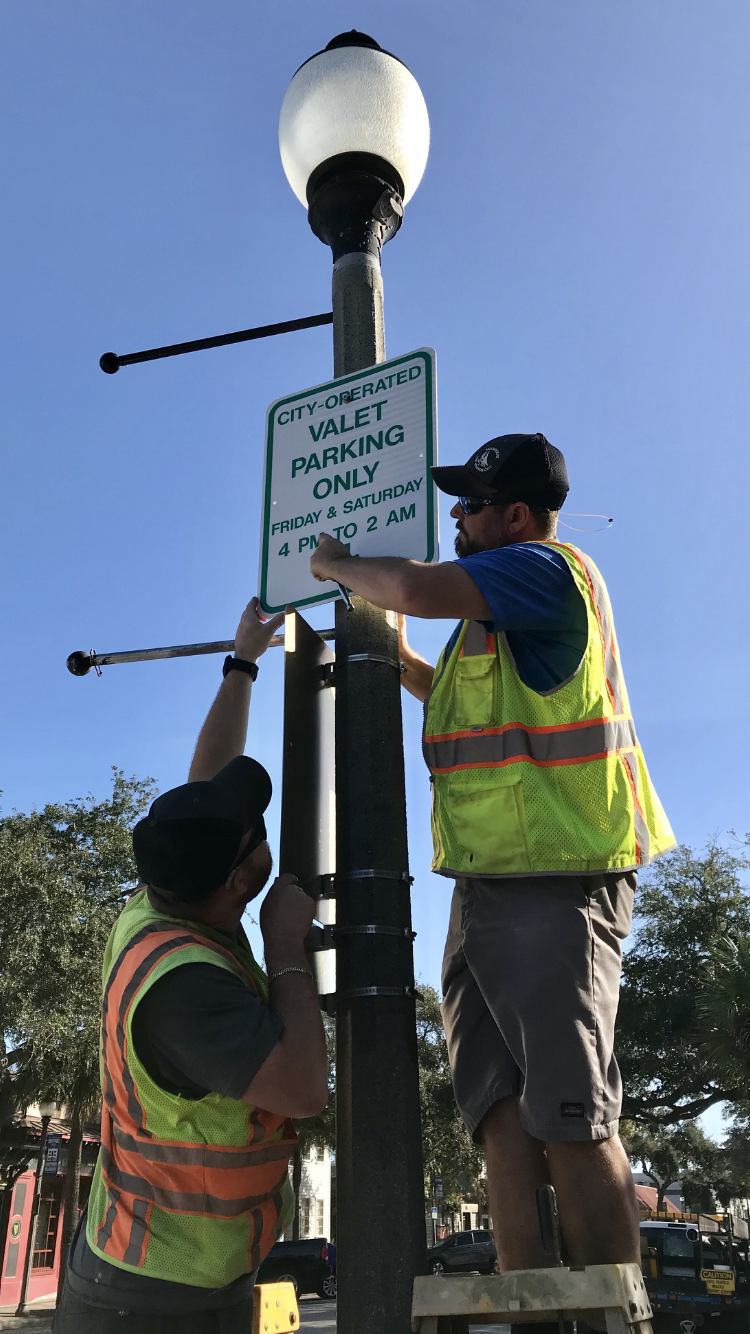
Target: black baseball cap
189,842
520,467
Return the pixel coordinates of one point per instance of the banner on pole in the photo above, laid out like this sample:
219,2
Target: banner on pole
351,458
52,1155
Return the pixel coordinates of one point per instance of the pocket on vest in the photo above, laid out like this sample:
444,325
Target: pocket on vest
474,690
489,823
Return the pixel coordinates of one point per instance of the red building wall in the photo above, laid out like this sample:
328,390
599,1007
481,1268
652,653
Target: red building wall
46,1259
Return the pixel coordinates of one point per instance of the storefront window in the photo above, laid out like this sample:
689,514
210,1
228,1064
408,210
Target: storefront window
47,1225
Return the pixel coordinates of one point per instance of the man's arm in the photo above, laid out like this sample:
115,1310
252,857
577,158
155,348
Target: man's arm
224,733
430,591
417,678
293,1079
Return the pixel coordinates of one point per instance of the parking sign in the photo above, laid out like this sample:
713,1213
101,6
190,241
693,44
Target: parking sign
351,458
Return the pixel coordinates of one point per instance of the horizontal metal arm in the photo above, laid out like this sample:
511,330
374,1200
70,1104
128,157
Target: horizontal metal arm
81,663
110,362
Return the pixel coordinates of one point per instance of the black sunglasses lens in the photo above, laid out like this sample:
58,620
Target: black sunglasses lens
469,506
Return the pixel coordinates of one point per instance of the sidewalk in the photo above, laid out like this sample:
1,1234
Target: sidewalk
317,1316
38,1323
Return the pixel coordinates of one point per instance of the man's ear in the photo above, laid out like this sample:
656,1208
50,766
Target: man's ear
520,516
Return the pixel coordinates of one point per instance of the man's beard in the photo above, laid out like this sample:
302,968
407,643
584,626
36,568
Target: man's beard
463,546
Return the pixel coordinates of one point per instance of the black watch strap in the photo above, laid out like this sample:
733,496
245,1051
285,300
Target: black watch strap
239,665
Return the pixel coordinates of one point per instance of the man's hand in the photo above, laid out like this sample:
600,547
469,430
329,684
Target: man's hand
253,634
324,558
285,919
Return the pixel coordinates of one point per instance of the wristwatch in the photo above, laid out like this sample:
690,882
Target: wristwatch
239,665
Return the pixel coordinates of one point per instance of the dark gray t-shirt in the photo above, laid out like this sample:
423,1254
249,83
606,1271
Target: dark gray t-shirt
198,1030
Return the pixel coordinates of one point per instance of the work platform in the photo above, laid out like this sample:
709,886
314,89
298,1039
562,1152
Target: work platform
613,1293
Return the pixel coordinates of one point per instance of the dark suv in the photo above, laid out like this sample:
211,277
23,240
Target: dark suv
463,1253
304,1263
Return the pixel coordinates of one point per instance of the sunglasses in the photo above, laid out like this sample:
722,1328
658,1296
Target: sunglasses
471,506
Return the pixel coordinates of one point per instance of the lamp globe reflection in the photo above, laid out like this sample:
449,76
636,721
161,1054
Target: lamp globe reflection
354,136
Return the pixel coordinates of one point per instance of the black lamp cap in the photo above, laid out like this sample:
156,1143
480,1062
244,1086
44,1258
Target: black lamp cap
352,38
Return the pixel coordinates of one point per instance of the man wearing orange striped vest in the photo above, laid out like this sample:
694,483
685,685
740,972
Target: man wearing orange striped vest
543,810
204,1059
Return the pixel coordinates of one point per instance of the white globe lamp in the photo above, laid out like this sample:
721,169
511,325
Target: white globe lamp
354,136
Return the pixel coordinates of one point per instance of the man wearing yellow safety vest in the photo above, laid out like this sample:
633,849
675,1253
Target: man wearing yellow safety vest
543,811
203,1058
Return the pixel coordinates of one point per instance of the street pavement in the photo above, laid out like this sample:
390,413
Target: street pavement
317,1316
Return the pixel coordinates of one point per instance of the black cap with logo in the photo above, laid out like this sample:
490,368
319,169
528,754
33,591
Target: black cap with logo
516,467
189,842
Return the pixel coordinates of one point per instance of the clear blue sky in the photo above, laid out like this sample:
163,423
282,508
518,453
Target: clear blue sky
577,253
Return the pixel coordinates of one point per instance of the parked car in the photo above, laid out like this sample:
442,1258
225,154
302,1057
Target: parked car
306,1264
463,1253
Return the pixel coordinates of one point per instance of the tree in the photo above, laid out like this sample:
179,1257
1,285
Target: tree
667,1154
65,872
687,908
723,1011
449,1152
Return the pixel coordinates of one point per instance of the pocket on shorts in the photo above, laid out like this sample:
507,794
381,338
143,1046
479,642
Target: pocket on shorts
489,823
474,690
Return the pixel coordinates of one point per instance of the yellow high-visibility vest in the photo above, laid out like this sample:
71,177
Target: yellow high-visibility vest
190,1190
528,782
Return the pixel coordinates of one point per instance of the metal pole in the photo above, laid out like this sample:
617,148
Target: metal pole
81,663
380,1184
22,1308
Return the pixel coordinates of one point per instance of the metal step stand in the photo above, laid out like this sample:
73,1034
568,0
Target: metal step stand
615,1293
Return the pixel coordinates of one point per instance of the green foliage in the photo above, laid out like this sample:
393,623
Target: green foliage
711,1174
448,1149
668,1154
687,908
65,872
723,1010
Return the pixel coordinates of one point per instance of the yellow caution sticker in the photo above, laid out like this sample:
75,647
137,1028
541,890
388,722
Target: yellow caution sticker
720,1282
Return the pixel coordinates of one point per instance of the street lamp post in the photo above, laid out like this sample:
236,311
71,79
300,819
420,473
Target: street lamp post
354,136
46,1111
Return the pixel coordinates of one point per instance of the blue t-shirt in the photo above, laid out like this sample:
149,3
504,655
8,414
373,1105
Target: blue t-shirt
533,597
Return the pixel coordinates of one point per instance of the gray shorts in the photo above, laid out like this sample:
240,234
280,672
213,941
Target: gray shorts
531,979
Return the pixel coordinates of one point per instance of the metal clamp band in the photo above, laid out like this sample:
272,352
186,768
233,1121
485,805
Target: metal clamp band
376,657
356,992
324,886
325,937
372,930
376,875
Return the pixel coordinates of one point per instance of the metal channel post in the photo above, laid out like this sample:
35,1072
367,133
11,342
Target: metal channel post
308,795
380,1185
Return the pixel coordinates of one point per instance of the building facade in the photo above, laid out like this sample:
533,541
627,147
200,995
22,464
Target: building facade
314,1194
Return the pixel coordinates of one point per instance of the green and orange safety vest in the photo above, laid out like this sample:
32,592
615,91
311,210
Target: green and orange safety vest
528,782
193,1191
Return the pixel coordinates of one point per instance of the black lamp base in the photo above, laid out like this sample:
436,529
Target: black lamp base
355,203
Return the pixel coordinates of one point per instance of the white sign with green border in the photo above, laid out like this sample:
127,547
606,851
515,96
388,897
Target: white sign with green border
350,458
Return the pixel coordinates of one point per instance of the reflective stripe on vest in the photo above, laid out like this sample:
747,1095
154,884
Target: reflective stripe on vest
492,747
141,1171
